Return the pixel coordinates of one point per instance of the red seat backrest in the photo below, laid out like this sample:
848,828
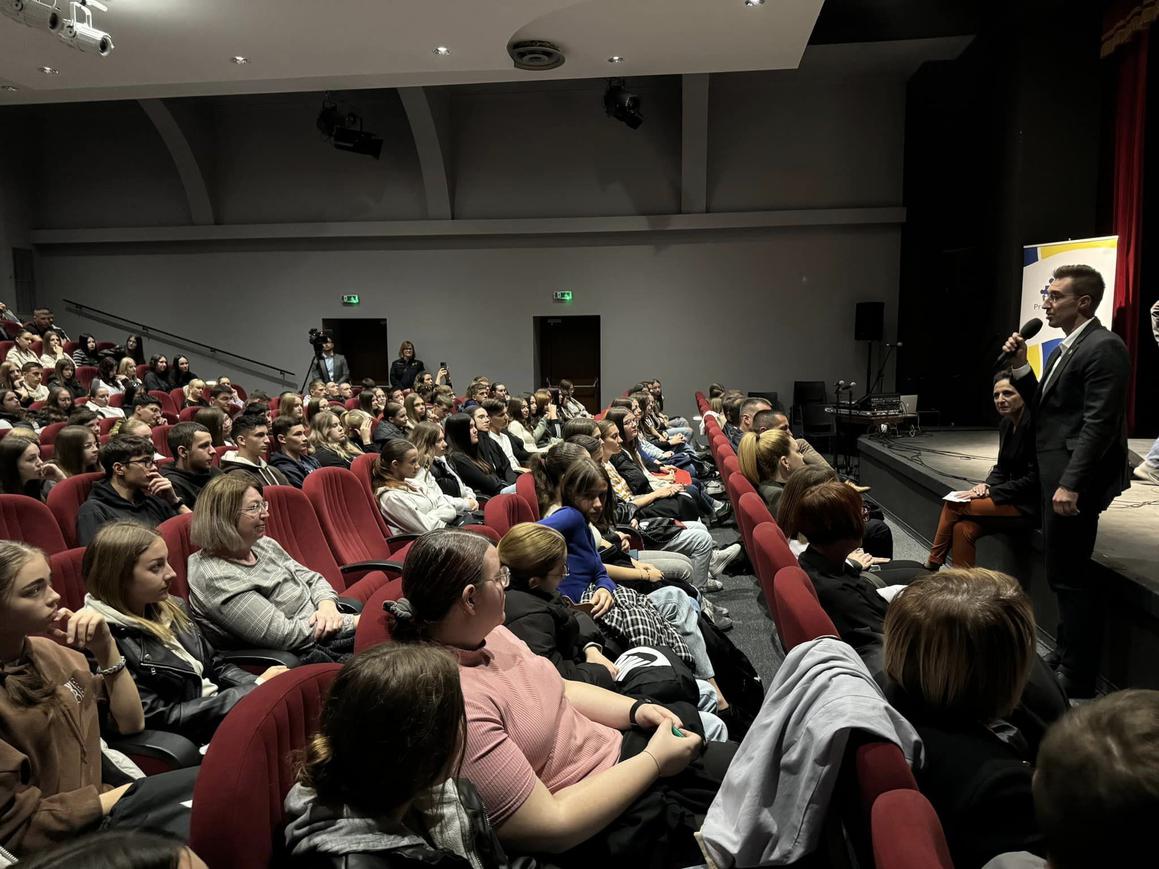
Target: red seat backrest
750,512
294,524
65,498
69,347
167,405
67,577
373,626
175,532
525,486
771,553
502,511
106,423
186,414
47,451
241,393
800,615
250,765
117,399
160,436
737,486
346,518
29,521
85,374
105,345
729,466
177,396
49,432
880,767
218,452
907,834
142,370
363,469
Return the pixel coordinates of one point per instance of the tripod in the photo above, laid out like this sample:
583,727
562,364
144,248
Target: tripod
316,362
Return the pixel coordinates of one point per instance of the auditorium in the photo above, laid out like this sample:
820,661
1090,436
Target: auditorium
555,434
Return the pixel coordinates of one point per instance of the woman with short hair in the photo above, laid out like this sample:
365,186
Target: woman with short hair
406,367
959,647
245,589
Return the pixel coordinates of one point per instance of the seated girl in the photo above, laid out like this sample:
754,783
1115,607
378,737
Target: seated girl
399,799
489,449
1008,499
392,424
185,686
157,377
767,460
246,590
408,507
76,451
22,472
469,461
65,377
562,767
978,769
329,443
435,475
52,786
519,416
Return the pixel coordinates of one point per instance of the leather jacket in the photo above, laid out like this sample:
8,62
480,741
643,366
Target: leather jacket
169,687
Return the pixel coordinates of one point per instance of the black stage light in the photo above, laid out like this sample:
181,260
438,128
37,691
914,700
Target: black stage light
344,131
622,104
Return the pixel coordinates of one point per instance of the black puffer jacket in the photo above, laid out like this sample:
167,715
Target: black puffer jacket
170,689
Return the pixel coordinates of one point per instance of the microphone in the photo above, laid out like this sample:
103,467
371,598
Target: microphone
1029,329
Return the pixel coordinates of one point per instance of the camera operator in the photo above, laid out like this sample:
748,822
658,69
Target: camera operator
328,366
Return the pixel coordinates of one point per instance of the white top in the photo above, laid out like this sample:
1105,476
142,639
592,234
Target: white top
505,445
520,431
426,481
413,510
20,358
106,412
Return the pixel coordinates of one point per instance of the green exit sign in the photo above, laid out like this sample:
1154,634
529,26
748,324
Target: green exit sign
351,299
562,295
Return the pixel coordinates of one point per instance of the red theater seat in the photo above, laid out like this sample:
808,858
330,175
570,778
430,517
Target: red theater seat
373,626
67,578
175,532
525,486
29,521
750,512
64,501
907,834
502,511
801,617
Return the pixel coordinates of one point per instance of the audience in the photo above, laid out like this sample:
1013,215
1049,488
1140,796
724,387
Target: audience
558,763
21,353
392,424
192,447
407,506
86,351
245,589
22,472
329,443
511,446
185,686
147,409
416,410
12,414
431,443
745,409
465,454
291,453
98,402
132,489
251,433
52,347
958,651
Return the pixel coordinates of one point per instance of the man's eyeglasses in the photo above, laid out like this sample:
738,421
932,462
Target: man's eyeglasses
256,509
148,462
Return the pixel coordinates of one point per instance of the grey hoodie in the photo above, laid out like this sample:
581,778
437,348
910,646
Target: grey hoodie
772,803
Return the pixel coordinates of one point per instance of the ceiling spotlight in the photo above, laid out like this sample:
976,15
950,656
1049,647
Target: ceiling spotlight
344,131
79,33
33,13
50,70
8,88
752,4
615,58
239,60
442,50
622,104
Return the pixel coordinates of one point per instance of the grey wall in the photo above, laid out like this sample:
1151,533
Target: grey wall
755,308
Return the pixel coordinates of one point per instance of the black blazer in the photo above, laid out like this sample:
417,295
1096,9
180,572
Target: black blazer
472,475
1014,478
979,784
1080,418
852,603
494,454
557,632
403,374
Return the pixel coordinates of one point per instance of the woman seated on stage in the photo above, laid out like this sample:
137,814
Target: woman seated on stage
578,774
1009,497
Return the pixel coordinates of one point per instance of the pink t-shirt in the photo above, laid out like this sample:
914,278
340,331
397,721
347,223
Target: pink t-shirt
521,727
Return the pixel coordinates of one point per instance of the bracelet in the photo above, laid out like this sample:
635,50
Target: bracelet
651,755
113,670
632,712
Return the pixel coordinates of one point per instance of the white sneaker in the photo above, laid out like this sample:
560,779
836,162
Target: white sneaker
722,558
1147,473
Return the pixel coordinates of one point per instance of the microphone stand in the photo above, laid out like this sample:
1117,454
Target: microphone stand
889,348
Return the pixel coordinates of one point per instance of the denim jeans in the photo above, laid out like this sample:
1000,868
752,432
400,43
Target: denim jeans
678,611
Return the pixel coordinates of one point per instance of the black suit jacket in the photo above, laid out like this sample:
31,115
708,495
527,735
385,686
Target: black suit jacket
1080,418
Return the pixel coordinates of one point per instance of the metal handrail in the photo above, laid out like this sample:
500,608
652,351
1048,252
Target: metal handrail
146,330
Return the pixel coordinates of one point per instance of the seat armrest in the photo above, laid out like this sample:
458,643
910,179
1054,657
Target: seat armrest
172,749
349,605
262,657
395,541
363,566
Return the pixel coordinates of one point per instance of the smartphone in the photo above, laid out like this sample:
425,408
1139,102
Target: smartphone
634,553
443,365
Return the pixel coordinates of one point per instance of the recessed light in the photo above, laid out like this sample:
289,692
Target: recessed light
239,60
753,3
8,88
50,70
441,50
615,58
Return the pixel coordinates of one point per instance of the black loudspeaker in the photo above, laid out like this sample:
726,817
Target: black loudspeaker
869,325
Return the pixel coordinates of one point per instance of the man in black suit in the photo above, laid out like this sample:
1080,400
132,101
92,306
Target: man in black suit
1081,439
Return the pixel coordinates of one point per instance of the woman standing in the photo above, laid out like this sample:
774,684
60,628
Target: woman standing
406,367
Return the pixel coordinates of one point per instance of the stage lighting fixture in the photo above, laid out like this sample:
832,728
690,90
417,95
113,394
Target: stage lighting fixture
78,31
622,104
34,13
345,131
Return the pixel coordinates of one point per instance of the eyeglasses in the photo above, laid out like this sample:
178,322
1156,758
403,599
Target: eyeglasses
256,509
149,462
504,576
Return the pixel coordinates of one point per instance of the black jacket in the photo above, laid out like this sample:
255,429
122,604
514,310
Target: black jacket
156,383
187,484
265,475
384,431
979,784
681,506
446,480
851,602
484,484
170,689
1014,478
494,454
105,505
294,471
1080,419
328,458
403,374
557,632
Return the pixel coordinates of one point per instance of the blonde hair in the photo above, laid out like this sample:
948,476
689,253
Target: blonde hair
353,419
214,526
531,550
127,367
27,686
760,456
425,436
961,642
318,425
25,434
108,565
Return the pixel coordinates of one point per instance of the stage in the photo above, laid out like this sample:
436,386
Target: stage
909,476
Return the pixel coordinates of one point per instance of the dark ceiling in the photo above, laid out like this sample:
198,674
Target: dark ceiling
882,20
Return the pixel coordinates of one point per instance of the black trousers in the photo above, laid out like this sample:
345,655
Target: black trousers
1069,542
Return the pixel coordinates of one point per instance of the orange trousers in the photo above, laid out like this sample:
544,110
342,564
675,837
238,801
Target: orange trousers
961,524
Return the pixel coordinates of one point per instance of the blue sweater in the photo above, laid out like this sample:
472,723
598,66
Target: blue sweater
583,561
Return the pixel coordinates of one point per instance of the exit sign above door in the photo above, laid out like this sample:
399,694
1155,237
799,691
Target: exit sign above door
351,299
562,295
